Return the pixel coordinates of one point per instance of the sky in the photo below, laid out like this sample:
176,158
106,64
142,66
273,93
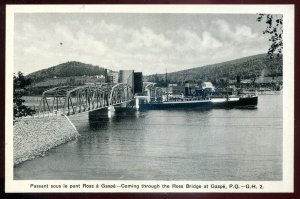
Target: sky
148,43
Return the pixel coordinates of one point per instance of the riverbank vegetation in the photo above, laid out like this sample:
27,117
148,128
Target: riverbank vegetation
19,89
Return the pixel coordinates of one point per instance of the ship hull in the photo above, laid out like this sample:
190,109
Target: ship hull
242,102
177,105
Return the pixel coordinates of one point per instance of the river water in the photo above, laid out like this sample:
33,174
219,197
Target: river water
215,144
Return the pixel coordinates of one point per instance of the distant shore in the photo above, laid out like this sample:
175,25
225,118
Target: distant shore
33,137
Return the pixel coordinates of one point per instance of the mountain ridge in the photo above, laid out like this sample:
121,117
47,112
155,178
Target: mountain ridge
250,67
67,69
246,67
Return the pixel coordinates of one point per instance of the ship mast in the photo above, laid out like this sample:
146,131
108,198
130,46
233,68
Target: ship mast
167,85
227,88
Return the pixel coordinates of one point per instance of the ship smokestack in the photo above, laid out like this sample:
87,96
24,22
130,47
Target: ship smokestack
187,91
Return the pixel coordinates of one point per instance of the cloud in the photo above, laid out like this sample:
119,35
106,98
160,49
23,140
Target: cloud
224,31
191,43
145,48
221,30
145,38
244,33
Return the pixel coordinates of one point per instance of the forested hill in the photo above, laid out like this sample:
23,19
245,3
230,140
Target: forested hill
67,69
247,68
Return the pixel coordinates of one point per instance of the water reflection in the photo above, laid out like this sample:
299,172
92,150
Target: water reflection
186,144
99,124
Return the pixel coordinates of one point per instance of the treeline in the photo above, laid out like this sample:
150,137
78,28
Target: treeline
67,69
246,68
37,88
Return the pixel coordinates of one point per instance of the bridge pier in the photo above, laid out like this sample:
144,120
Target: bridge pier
137,103
100,115
124,107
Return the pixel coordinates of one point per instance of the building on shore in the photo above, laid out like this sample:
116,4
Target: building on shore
138,82
112,77
208,86
127,77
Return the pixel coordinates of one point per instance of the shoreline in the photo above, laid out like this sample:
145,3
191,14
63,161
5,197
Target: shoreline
33,137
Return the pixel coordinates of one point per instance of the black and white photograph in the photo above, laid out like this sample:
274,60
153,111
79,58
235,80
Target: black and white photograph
178,98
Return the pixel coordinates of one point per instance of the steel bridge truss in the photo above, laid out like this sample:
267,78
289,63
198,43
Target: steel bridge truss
153,92
72,100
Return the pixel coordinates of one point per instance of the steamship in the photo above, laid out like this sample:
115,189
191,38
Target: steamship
206,98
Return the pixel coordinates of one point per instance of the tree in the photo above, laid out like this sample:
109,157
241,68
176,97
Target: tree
20,82
274,29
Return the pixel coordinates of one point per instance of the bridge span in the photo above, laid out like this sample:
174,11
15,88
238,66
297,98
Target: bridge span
70,100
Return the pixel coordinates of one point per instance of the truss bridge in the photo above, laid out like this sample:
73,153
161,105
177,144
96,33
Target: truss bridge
69,100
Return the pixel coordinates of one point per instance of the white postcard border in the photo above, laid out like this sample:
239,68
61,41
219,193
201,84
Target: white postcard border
286,185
